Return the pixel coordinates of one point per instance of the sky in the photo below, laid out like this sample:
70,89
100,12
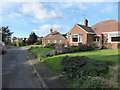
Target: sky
39,17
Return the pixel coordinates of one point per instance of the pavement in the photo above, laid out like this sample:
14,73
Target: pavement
49,78
17,71
22,70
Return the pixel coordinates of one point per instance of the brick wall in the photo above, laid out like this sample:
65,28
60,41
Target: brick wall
77,30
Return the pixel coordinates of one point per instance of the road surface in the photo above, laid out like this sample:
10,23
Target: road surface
17,71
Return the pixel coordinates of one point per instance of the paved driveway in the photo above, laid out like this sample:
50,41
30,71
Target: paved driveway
16,70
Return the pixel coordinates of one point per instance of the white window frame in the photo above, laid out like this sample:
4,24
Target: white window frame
115,34
60,41
48,41
79,38
55,41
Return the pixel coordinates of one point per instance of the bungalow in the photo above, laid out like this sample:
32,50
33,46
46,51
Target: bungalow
80,34
105,33
54,37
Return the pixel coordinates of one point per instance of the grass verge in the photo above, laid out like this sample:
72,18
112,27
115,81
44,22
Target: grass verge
28,46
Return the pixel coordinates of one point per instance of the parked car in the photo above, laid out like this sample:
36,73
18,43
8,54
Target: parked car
2,48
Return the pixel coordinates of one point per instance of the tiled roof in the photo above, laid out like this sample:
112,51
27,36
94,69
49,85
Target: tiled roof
54,35
106,26
86,28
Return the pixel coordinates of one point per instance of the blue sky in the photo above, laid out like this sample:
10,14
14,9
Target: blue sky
25,17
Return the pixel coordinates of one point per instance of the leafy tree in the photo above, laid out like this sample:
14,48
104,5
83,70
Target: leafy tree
24,41
6,34
14,38
32,38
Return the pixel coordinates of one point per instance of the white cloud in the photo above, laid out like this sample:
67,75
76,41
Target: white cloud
44,29
13,15
39,12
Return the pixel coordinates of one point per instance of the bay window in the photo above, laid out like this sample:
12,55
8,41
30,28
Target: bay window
114,37
76,38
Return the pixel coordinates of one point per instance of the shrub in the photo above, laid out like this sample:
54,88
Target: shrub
50,45
85,47
94,82
114,73
17,43
36,43
82,66
64,50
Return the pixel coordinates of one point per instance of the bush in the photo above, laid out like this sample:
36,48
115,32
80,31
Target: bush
17,43
93,82
114,73
50,45
79,66
65,50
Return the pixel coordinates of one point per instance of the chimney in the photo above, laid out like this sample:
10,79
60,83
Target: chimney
86,22
51,30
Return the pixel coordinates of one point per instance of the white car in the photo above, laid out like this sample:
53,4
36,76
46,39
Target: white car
2,48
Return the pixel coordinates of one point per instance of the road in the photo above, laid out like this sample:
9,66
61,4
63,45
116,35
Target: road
16,70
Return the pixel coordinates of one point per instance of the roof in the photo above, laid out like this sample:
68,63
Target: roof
106,26
54,35
86,28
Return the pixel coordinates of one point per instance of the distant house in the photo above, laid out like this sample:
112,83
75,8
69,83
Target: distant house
54,37
17,40
103,33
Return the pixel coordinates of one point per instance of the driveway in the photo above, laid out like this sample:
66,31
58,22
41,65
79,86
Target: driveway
16,70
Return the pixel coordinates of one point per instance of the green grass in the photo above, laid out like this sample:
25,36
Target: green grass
40,51
108,55
28,46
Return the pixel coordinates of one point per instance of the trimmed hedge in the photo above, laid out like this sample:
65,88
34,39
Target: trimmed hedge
79,66
70,49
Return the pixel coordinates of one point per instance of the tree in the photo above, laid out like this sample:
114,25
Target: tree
32,38
14,38
6,34
24,41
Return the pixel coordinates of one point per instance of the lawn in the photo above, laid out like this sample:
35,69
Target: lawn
39,51
28,46
108,55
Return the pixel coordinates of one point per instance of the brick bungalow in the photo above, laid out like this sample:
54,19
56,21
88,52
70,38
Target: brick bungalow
110,32
80,34
103,33
54,37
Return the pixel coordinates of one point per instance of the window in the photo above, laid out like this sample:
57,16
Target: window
76,38
115,39
60,41
48,41
54,41
96,39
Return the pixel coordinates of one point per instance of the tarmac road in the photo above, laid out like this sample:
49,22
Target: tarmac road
16,70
